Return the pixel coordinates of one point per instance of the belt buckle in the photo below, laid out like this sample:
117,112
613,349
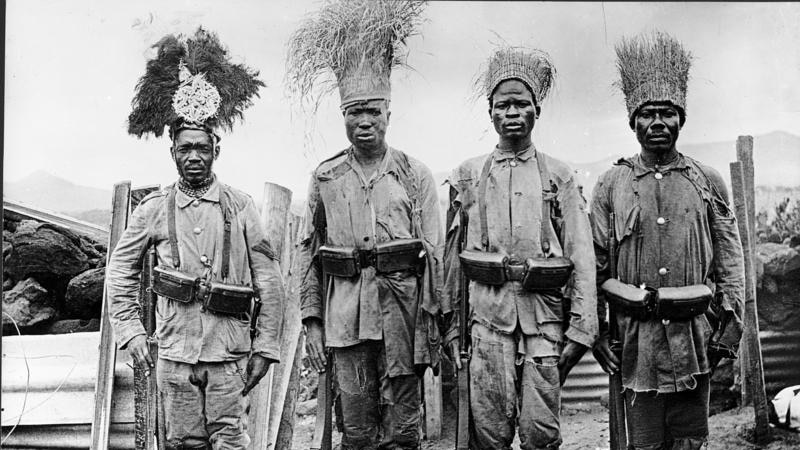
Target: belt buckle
515,272
366,258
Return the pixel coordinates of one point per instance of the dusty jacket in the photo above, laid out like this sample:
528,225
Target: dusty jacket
514,196
674,218
346,209
186,333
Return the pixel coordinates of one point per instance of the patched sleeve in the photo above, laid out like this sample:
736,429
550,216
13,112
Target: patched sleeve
267,279
577,245
311,239
432,235
123,277
728,263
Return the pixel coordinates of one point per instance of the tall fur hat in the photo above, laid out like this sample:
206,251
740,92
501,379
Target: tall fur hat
357,41
653,68
532,67
191,84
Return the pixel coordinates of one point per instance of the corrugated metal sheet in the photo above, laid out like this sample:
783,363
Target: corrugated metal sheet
60,390
586,382
780,352
66,436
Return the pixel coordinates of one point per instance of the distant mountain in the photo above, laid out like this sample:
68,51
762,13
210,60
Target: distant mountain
43,190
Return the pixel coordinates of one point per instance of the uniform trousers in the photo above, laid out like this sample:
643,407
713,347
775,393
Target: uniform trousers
507,389
203,404
674,421
377,411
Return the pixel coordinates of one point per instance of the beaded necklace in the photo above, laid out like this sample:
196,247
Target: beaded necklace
196,191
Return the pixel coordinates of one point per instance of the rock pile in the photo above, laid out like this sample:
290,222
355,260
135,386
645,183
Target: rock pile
52,279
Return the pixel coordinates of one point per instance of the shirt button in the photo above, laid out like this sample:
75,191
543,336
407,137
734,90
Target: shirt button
196,230
659,176
661,221
196,203
662,271
513,164
204,259
366,238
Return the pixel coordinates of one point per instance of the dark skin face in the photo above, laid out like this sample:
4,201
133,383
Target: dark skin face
194,154
513,112
365,124
657,126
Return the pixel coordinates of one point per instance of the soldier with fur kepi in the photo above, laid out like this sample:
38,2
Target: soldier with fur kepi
214,341
678,296
371,249
526,252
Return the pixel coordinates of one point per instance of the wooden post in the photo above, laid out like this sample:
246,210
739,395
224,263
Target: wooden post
104,384
274,215
744,200
287,369
433,405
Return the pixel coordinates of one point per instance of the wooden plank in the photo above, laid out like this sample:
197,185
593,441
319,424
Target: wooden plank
286,426
108,349
18,211
274,216
753,363
432,385
289,339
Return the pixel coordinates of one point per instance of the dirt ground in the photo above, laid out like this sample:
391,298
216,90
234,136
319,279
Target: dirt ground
585,426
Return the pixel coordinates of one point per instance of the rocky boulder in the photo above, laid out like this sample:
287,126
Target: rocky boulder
778,259
84,296
73,326
39,249
28,303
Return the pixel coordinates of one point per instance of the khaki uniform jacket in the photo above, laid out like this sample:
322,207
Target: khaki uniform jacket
185,332
514,196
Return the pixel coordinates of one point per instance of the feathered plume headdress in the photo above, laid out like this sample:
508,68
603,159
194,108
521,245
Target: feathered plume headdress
191,83
653,68
358,41
532,67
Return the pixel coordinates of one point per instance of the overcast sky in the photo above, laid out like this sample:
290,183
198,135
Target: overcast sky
71,67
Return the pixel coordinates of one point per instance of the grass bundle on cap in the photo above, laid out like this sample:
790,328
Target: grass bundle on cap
653,68
358,41
531,66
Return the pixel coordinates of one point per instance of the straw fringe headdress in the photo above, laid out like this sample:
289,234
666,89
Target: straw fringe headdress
358,41
531,66
191,83
653,68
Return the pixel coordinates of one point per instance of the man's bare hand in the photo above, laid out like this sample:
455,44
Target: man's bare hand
569,357
315,348
603,354
257,367
140,352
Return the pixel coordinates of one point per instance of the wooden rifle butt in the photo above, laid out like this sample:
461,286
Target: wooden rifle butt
322,427
463,418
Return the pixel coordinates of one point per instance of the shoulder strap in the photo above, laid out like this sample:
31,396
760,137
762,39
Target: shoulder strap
226,233
547,206
173,234
410,184
482,202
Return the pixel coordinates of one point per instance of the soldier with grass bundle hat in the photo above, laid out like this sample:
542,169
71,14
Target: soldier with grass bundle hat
526,254
371,249
220,293
678,295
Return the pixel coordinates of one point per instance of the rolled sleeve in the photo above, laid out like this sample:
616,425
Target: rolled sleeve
123,277
582,291
269,283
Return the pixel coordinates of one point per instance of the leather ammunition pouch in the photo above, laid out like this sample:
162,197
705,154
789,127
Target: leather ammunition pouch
680,303
673,303
174,284
536,274
217,297
394,256
629,300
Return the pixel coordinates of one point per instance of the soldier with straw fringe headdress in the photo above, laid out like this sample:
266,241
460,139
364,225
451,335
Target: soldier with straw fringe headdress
518,231
371,249
680,279
215,342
